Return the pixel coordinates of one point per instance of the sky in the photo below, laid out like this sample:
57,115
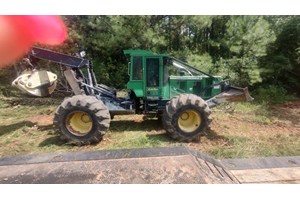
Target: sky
153,7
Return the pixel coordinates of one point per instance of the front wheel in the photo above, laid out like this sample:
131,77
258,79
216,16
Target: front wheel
82,119
186,117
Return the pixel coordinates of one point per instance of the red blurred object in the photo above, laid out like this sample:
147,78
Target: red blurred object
19,33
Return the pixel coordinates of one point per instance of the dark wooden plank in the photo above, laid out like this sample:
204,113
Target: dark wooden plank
94,155
175,169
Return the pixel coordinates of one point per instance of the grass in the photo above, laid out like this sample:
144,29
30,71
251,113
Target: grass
255,112
241,130
254,130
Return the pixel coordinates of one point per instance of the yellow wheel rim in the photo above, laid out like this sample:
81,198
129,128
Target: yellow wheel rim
189,121
79,123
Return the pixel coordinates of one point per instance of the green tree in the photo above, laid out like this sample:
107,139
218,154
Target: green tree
282,63
247,38
242,47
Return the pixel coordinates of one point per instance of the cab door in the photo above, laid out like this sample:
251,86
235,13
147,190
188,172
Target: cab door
152,77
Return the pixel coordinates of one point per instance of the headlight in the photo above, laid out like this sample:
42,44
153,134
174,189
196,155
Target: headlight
82,54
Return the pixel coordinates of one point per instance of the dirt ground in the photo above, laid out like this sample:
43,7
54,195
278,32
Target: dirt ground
283,122
273,130
285,118
238,131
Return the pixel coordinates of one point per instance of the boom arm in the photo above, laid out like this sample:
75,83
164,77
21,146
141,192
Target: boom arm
60,58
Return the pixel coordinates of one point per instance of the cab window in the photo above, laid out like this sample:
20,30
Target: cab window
152,72
137,68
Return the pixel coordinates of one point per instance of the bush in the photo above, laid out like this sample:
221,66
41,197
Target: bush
272,94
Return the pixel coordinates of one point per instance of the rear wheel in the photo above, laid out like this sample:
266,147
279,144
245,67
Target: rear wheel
186,117
82,119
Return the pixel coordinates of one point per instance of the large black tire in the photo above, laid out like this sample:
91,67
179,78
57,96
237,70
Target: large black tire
186,117
82,120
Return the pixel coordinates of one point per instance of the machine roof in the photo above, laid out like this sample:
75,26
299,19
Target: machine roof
140,52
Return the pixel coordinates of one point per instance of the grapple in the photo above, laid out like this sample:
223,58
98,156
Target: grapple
38,83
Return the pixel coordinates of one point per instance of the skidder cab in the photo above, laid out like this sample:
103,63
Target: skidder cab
180,93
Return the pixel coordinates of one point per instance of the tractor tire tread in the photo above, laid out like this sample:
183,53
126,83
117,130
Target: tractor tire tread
172,108
94,106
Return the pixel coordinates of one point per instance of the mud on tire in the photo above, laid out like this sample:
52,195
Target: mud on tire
82,120
186,117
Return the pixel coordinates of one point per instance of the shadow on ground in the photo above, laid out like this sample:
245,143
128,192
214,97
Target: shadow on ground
13,127
46,127
146,125
213,135
162,137
55,140
210,135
